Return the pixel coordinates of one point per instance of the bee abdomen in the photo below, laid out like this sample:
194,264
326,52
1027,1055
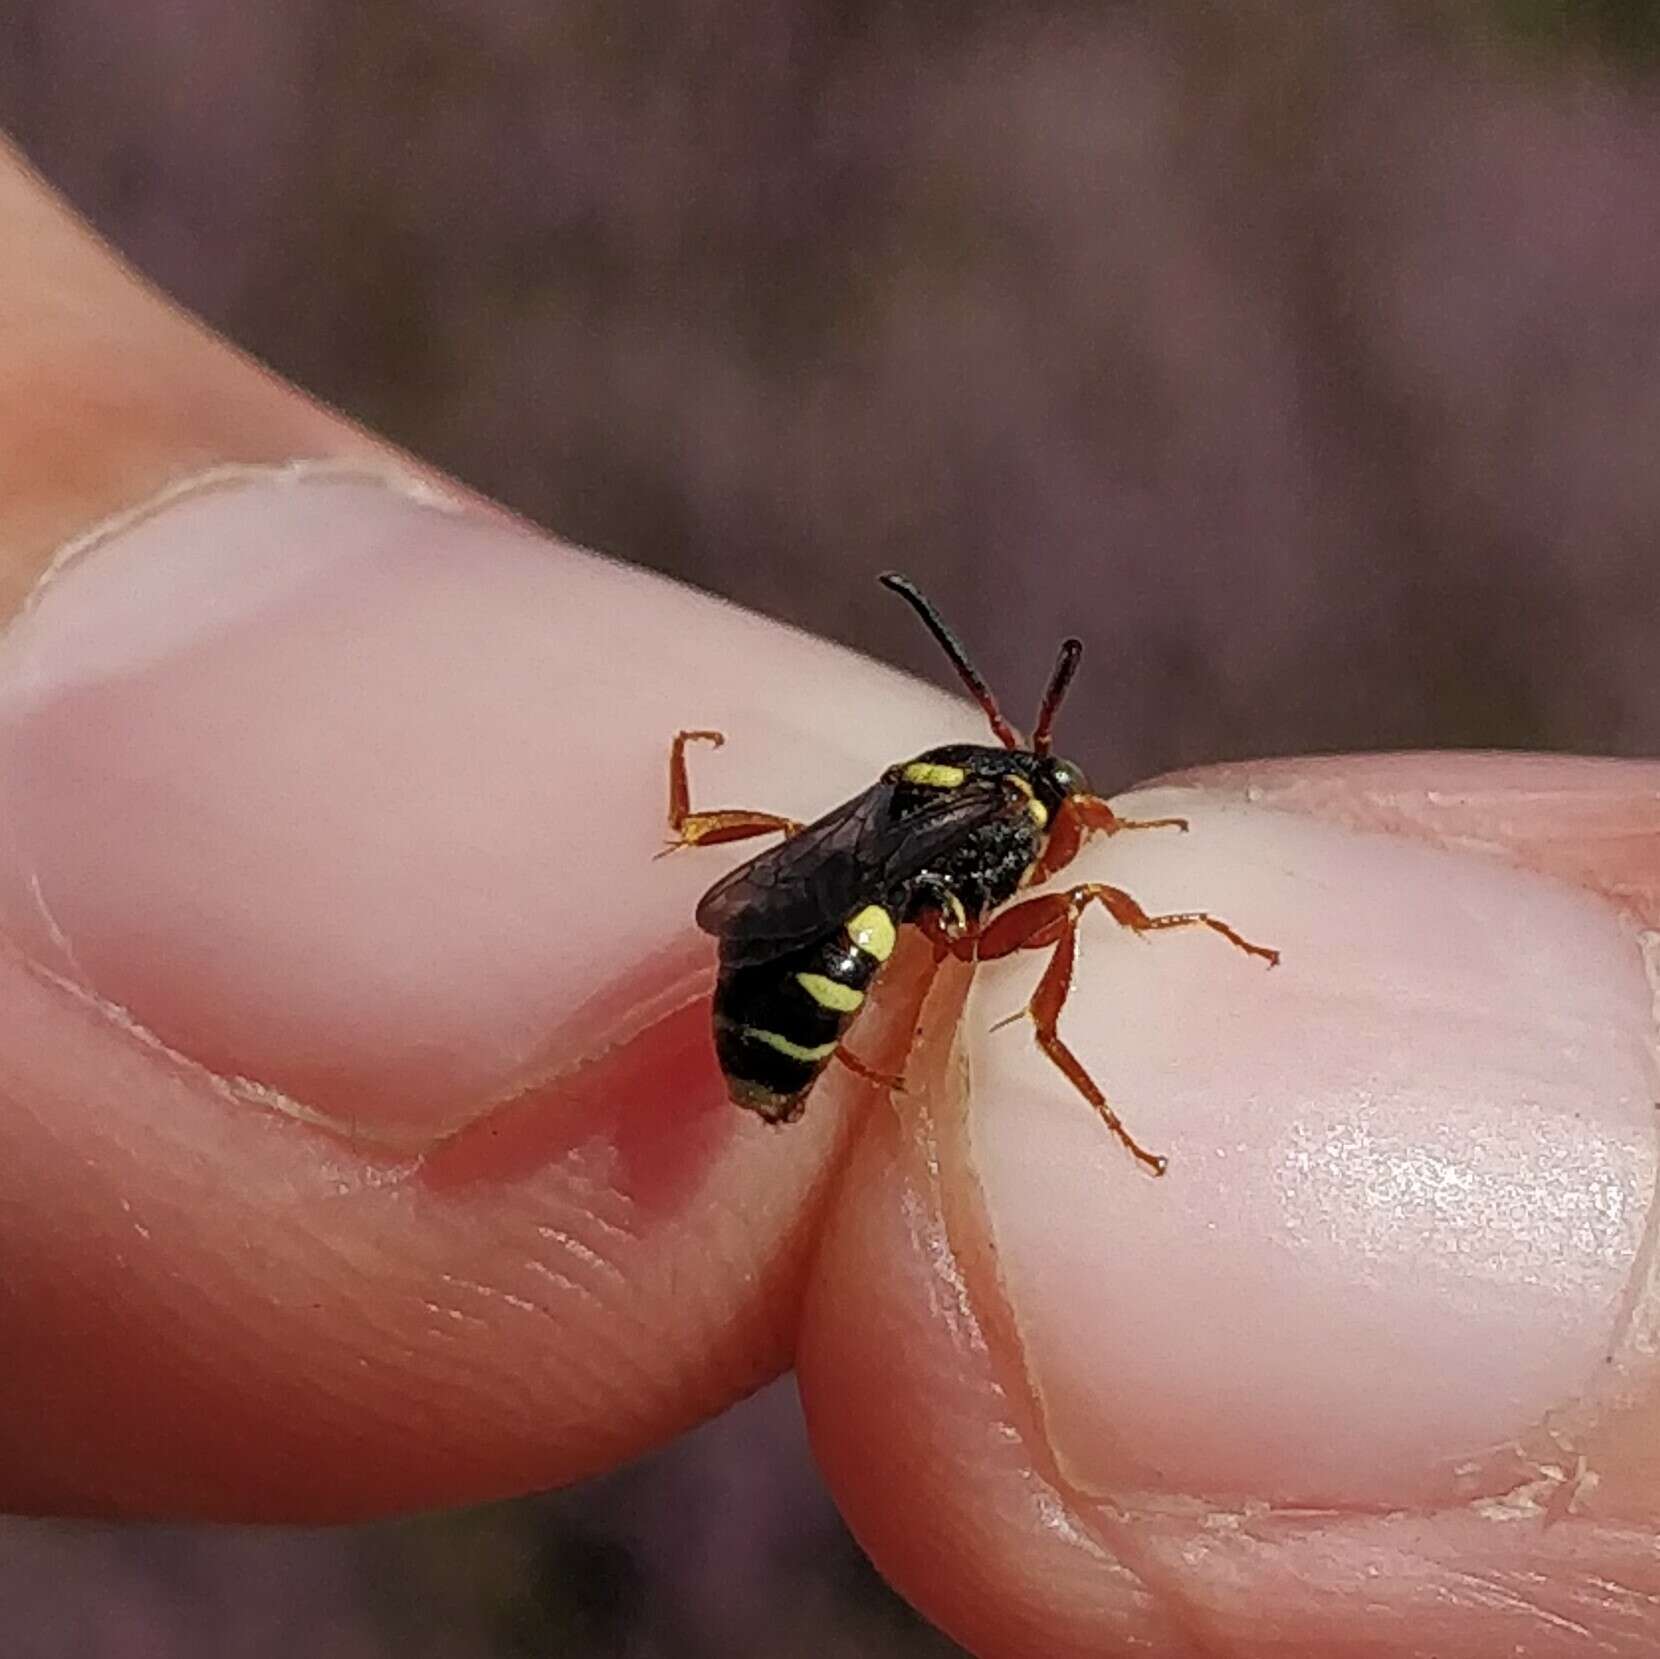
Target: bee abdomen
778,1022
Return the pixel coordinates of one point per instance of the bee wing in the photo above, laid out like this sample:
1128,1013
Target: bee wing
811,883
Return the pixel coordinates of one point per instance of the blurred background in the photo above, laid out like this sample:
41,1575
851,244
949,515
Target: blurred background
1302,358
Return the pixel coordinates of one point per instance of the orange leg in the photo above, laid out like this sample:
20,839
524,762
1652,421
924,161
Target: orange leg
1083,815
945,939
869,1073
699,829
1052,920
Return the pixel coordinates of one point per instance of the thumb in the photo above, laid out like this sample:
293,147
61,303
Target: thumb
1370,1370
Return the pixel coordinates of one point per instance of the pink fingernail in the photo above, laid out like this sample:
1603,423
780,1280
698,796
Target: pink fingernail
1410,1168
348,796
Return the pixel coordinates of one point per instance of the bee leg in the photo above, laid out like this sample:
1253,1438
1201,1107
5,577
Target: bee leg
945,943
698,829
1051,920
1082,815
1127,913
1096,814
869,1073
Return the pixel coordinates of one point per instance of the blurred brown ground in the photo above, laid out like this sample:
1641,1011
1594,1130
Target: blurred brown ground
1302,358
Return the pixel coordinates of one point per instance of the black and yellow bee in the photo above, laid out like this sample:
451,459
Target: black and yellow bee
939,842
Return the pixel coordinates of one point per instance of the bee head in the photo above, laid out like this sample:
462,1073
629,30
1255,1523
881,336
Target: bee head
1054,778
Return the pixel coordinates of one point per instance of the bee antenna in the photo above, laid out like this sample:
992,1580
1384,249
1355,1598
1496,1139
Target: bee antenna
981,692
1066,665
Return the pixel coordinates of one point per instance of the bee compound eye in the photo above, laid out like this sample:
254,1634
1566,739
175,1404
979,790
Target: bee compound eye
1067,778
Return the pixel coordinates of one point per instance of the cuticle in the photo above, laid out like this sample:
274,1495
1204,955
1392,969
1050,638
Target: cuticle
246,1090
1635,1324
965,1219
397,481
406,1149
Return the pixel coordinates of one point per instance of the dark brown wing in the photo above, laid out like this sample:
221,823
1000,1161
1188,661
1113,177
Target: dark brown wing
804,887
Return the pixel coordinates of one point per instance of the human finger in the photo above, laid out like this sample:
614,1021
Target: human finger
1369,1371
360,1142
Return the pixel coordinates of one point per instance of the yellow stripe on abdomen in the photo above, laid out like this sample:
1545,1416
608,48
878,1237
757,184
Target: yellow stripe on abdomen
839,999
872,931
808,1054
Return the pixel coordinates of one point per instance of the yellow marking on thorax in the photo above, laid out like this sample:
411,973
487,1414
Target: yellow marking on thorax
828,993
931,775
807,1053
1039,812
872,931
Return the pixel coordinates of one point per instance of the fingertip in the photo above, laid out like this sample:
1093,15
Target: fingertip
355,783
1389,1133
1367,1282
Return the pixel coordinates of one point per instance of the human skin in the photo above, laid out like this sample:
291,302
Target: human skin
359,1137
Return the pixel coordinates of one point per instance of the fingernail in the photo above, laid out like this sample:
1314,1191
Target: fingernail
304,780
1410,1168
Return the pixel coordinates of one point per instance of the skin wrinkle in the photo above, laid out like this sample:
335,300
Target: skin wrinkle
518,1395
950,1302
571,1245
446,1311
564,1281
974,1274
1499,1595
494,1293
958,1311
1635,1331
603,1364
575,1255
53,930
1494,1590
1633,1337
637,1017
593,1373
966,1260
1490,1588
611,1229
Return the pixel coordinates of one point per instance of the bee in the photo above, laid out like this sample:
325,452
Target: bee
941,842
